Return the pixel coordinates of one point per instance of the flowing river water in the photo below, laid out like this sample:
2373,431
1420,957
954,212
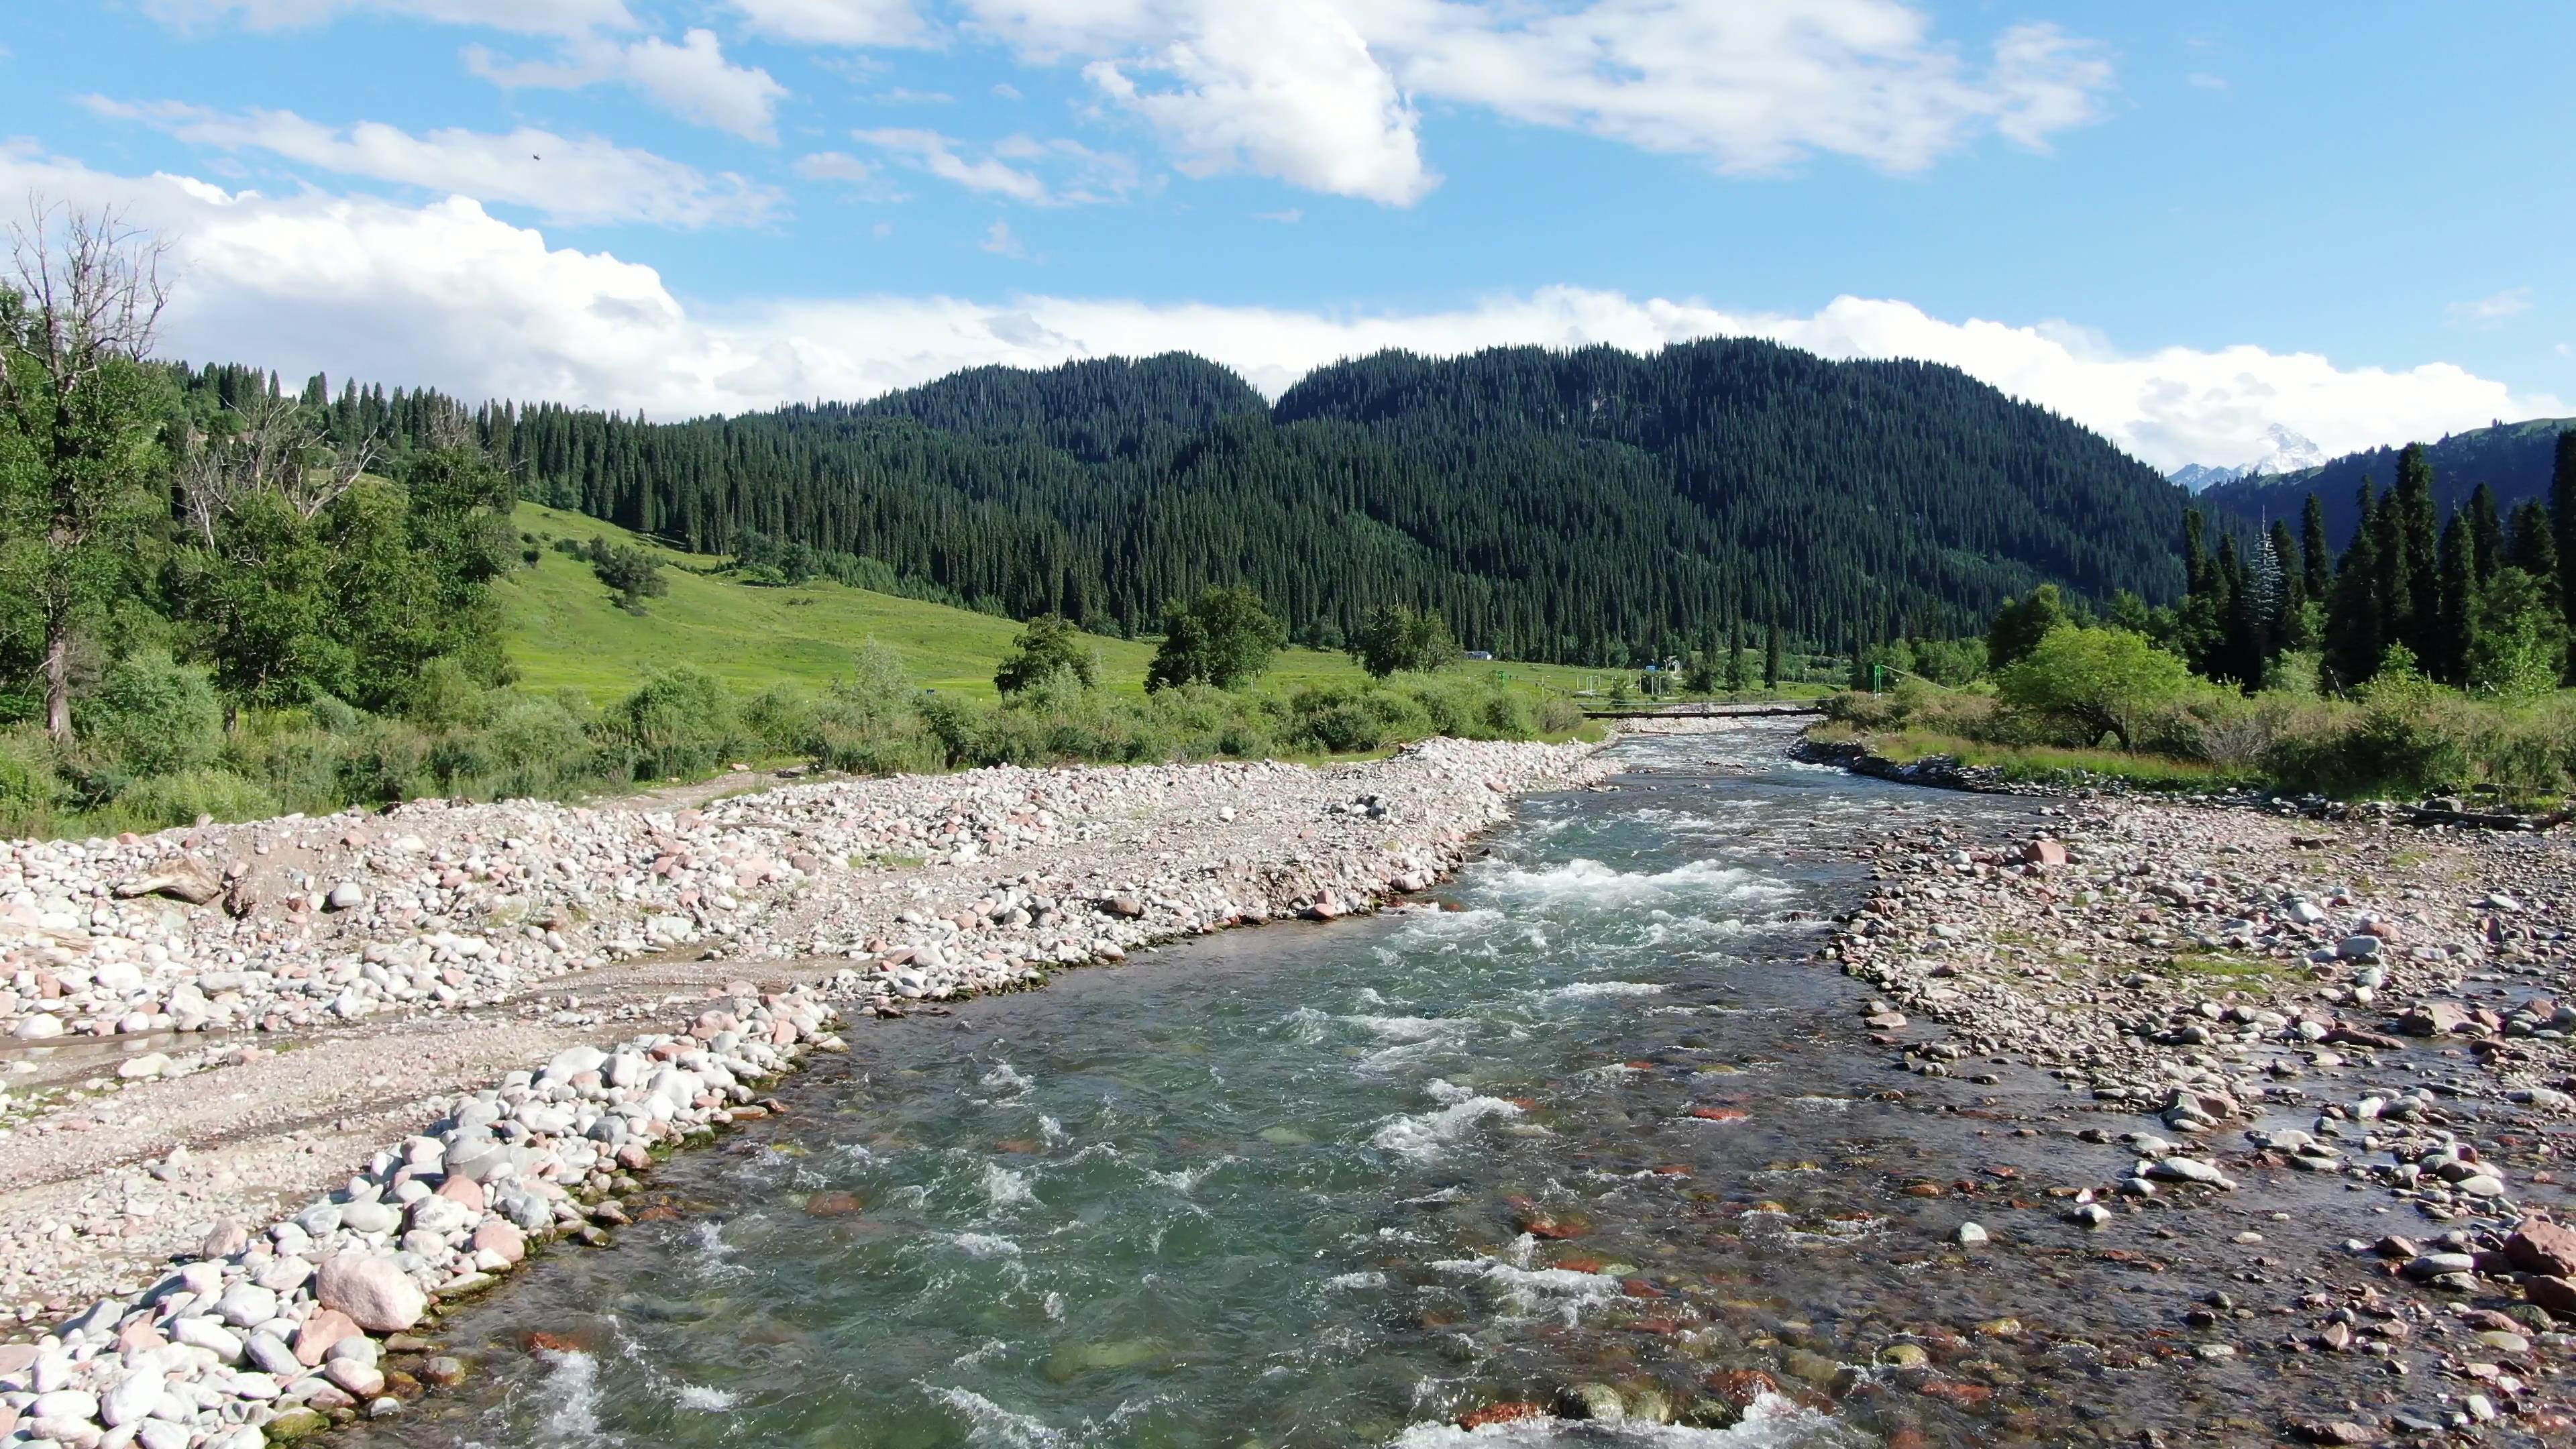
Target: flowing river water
1334,1185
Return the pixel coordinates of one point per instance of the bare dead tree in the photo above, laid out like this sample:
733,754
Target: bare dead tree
81,292
278,447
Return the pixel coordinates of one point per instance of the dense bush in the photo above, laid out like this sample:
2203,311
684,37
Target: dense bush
153,715
160,801
681,722
2403,736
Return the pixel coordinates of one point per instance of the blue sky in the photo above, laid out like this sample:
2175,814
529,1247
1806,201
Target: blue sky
2181,223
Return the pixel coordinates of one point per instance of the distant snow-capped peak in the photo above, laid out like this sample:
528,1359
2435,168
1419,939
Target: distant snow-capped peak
2284,452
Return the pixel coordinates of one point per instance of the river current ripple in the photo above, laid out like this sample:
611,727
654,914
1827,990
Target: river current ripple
1334,1185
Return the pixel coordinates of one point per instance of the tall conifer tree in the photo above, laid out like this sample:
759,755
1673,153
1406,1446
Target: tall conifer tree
2562,518
2318,555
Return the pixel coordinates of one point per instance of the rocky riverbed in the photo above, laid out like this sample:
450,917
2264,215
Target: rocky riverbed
164,1137
2240,1002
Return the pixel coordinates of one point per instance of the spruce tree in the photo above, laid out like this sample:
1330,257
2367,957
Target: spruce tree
2420,579
2356,626
2562,518
2289,566
1735,675
2460,585
2532,549
1771,658
2316,555
2486,535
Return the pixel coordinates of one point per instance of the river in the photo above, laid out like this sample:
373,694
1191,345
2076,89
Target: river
1585,1120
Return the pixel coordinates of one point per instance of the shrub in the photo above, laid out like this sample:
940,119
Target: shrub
446,696
161,801
31,789
1049,647
2092,682
1351,719
630,573
681,722
153,715
385,763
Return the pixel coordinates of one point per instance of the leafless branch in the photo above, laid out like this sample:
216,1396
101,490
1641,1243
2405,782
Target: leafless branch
279,447
90,289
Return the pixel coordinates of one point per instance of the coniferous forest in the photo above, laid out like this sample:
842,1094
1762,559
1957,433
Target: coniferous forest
1588,507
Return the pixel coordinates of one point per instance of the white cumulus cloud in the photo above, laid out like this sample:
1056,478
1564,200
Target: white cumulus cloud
540,17
447,295
691,80
1323,93
835,22
574,181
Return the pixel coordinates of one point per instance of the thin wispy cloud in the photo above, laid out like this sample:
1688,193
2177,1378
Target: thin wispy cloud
572,180
2492,311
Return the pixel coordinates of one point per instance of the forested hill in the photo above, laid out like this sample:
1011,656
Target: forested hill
1583,507
2512,458
1095,410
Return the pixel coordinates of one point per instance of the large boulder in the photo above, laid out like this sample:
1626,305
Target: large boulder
377,1295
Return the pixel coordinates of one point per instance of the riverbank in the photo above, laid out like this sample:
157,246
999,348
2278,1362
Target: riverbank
2260,1003
368,979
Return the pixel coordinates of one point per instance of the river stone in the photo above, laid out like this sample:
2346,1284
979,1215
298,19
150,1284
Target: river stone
1971,1234
2187,1169
363,1380
440,1215
223,1240
206,1333
504,1238
374,1293
133,1398
2435,1265
369,1217
270,1354
320,1333
2538,1246
39,1027
246,1305
571,1062
1591,1401
72,1404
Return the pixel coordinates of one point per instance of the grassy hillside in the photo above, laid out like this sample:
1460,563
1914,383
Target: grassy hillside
564,631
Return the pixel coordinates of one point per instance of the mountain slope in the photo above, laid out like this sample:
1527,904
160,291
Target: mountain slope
2512,458
1582,507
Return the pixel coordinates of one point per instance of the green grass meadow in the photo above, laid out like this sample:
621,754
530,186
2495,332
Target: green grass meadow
564,632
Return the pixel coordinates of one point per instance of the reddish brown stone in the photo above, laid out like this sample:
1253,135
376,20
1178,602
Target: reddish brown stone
2539,1246
2553,1293
1958,1394
1501,1414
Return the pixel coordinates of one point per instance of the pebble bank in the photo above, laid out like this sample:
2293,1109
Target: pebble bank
923,889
